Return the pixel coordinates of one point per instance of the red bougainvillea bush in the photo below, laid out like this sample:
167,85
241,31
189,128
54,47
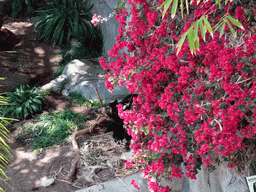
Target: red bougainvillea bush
189,106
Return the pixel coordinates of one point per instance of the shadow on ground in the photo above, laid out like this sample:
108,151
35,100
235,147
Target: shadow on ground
36,61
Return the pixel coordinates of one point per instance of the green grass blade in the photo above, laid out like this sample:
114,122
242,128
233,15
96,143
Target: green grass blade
208,25
232,29
181,7
203,32
180,43
235,22
174,8
222,29
166,7
191,41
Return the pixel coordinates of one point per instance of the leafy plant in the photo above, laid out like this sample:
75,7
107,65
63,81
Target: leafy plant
59,71
22,8
49,130
24,101
63,20
189,109
89,47
78,99
63,84
3,138
202,23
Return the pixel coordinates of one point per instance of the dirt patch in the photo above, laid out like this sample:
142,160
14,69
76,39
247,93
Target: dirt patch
30,61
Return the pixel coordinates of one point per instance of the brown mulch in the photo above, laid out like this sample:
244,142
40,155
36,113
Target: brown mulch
99,158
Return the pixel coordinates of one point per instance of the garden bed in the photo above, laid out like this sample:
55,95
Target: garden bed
99,158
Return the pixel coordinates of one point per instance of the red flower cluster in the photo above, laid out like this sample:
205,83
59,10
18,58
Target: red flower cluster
188,106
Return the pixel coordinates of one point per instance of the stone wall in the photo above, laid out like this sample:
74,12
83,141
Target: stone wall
109,28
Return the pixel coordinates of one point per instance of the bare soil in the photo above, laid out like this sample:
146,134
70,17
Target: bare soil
30,61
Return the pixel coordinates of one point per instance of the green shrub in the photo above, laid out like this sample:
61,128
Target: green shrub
4,136
49,130
22,8
63,20
24,101
90,46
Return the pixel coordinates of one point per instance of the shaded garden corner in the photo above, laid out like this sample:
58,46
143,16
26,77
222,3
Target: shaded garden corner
30,61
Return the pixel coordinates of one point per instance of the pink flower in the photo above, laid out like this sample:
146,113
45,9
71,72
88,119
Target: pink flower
240,13
128,164
136,185
205,148
151,17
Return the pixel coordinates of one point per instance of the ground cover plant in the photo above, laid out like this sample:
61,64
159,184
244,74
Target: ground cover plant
51,129
79,99
194,102
24,101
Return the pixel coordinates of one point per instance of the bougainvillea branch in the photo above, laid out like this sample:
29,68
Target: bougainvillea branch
189,106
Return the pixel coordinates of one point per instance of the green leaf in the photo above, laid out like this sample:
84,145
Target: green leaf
37,101
208,25
19,109
181,7
180,43
61,38
218,2
174,8
76,32
159,133
162,151
169,151
169,134
235,22
196,27
202,30
34,108
191,38
232,29
59,29
163,4
197,43
222,29
158,155
166,6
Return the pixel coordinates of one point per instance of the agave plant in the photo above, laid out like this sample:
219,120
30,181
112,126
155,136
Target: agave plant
63,20
24,101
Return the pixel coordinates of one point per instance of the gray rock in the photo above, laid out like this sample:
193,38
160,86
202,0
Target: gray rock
126,156
82,76
222,179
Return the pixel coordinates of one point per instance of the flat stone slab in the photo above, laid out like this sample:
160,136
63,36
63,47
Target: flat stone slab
120,185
